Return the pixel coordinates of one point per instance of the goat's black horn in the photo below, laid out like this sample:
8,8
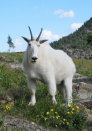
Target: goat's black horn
37,39
30,33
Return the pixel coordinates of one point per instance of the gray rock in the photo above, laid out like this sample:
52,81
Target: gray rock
85,79
17,123
5,59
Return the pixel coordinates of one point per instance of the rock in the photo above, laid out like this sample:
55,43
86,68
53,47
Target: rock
77,75
75,88
16,123
2,101
89,113
83,90
85,79
84,94
5,59
78,53
13,66
85,86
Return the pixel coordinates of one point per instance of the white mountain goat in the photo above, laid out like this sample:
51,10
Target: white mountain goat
42,62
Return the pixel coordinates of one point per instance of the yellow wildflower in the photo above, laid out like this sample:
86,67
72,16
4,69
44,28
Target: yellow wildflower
47,113
45,118
68,113
56,117
67,123
77,107
73,109
71,106
64,119
7,107
51,110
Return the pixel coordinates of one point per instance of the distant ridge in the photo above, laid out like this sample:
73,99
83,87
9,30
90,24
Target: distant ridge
76,40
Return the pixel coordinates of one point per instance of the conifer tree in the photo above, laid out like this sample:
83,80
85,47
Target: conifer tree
10,43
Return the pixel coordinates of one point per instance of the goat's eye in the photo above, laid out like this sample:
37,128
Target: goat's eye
30,45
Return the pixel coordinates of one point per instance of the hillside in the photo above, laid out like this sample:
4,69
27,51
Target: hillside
76,40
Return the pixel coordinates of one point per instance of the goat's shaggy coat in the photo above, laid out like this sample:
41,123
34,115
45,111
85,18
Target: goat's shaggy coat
42,62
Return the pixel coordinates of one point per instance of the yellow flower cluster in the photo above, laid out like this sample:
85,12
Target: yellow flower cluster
7,107
57,117
73,109
47,113
64,117
65,122
51,110
52,114
70,113
77,107
45,118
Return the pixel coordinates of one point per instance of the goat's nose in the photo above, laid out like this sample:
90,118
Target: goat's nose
34,58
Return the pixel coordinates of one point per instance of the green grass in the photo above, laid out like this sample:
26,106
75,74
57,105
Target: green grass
13,57
83,66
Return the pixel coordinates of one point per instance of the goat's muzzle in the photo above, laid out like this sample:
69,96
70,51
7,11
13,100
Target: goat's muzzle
34,59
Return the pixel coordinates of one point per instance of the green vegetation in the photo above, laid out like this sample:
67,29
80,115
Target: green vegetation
83,66
89,38
13,83
80,39
13,57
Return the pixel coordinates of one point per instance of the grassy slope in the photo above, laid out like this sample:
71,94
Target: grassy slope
83,66
13,82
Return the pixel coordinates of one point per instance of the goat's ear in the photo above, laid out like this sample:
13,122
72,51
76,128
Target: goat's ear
26,39
42,41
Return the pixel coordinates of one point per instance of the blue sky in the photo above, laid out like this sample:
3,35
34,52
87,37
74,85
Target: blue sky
58,18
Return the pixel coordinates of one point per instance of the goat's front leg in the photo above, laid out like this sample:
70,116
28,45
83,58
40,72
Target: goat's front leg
52,90
32,88
68,85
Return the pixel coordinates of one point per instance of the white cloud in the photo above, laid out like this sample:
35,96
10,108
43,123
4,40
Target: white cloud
47,34
19,46
18,43
75,26
64,14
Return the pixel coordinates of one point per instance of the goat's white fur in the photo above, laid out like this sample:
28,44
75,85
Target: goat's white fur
52,67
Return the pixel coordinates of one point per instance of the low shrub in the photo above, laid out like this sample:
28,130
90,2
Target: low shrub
63,117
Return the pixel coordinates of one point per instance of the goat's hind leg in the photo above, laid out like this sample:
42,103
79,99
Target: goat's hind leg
61,89
32,88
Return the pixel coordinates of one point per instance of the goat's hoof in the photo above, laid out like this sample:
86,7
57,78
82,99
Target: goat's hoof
70,103
55,102
31,104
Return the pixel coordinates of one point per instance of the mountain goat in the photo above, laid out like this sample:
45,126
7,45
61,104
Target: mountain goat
42,62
